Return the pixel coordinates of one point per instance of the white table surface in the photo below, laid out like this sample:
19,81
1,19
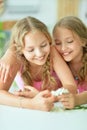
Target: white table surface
12,118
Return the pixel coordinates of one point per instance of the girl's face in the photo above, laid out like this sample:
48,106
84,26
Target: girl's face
36,47
68,44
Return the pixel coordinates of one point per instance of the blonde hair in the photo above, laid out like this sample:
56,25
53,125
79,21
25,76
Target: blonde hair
20,29
77,26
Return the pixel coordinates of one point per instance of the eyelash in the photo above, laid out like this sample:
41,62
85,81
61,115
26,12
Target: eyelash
31,50
41,47
70,41
66,42
57,43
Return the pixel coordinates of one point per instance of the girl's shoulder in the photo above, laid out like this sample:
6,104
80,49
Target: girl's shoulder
54,52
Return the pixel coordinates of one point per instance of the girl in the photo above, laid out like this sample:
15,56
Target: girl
30,47
70,37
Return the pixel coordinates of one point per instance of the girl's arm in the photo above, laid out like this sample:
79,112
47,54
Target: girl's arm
63,71
81,98
6,85
71,100
28,92
42,101
7,64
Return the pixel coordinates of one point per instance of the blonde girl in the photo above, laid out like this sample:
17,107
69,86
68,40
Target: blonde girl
70,37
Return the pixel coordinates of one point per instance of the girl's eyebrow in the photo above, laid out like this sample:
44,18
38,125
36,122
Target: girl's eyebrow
68,37
30,47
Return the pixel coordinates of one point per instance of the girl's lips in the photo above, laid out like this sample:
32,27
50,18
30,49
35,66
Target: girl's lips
41,58
65,53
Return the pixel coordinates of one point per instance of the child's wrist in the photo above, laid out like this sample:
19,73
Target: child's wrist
77,100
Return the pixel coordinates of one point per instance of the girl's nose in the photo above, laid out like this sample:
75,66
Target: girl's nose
39,52
63,47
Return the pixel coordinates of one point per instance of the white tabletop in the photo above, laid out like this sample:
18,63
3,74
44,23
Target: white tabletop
12,118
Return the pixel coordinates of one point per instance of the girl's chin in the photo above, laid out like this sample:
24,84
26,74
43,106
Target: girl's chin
41,63
67,60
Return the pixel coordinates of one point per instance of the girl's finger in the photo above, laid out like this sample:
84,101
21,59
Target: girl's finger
3,73
28,88
6,73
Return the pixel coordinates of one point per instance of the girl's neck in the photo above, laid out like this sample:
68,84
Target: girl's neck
75,68
76,63
36,72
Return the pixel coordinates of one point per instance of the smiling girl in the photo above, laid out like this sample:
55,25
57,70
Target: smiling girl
70,37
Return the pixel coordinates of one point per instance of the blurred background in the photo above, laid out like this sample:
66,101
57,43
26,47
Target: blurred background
48,11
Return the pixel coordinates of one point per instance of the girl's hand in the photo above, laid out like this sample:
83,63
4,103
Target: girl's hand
28,92
68,100
43,101
5,69
7,64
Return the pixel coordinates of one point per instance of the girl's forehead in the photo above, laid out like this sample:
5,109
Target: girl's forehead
63,29
64,33
34,32
34,38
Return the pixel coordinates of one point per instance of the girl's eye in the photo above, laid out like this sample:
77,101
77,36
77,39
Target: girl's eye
58,43
70,41
31,50
43,45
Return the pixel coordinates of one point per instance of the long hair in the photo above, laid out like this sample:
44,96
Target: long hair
77,26
20,29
